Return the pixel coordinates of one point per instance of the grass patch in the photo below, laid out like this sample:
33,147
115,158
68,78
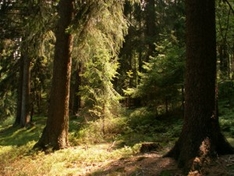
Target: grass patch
94,144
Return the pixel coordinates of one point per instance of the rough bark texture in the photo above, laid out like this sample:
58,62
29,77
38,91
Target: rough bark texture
55,134
201,136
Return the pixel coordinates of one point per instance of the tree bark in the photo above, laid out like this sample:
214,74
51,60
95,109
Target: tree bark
55,134
201,135
25,105
75,98
19,93
151,28
23,100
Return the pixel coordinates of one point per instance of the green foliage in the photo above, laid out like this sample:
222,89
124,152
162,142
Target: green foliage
224,29
17,157
89,152
226,95
166,68
227,123
226,106
99,131
149,21
7,105
226,116
136,126
144,125
39,26
8,73
7,122
165,173
27,27
97,47
98,92
19,136
163,76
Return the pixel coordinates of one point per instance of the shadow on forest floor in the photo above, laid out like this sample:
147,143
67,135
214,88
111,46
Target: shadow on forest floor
153,164
120,156
150,164
17,136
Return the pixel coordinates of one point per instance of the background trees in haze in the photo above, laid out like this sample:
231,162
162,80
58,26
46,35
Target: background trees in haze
224,28
147,46
26,24
123,73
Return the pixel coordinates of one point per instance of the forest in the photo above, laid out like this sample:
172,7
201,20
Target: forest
117,87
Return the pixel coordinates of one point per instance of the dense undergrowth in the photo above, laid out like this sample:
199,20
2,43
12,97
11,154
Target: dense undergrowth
93,143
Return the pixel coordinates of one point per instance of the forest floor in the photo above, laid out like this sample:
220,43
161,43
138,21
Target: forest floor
142,164
100,160
153,164
119,154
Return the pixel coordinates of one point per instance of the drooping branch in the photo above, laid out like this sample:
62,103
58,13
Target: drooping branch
230,6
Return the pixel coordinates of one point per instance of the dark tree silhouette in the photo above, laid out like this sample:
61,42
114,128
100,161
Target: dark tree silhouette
201,135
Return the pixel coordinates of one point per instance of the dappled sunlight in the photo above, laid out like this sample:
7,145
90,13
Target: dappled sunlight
19,136
91,152
74,160
231,140
5,149
95,155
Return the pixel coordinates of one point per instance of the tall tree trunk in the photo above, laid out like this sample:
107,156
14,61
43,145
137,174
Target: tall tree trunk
151,29
25,105
55,134
75,98
19,93
201,136
23,100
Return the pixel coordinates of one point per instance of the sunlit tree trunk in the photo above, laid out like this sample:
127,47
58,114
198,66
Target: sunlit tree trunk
201,136
55,134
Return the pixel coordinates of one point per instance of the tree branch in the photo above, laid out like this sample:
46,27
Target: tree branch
230,6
